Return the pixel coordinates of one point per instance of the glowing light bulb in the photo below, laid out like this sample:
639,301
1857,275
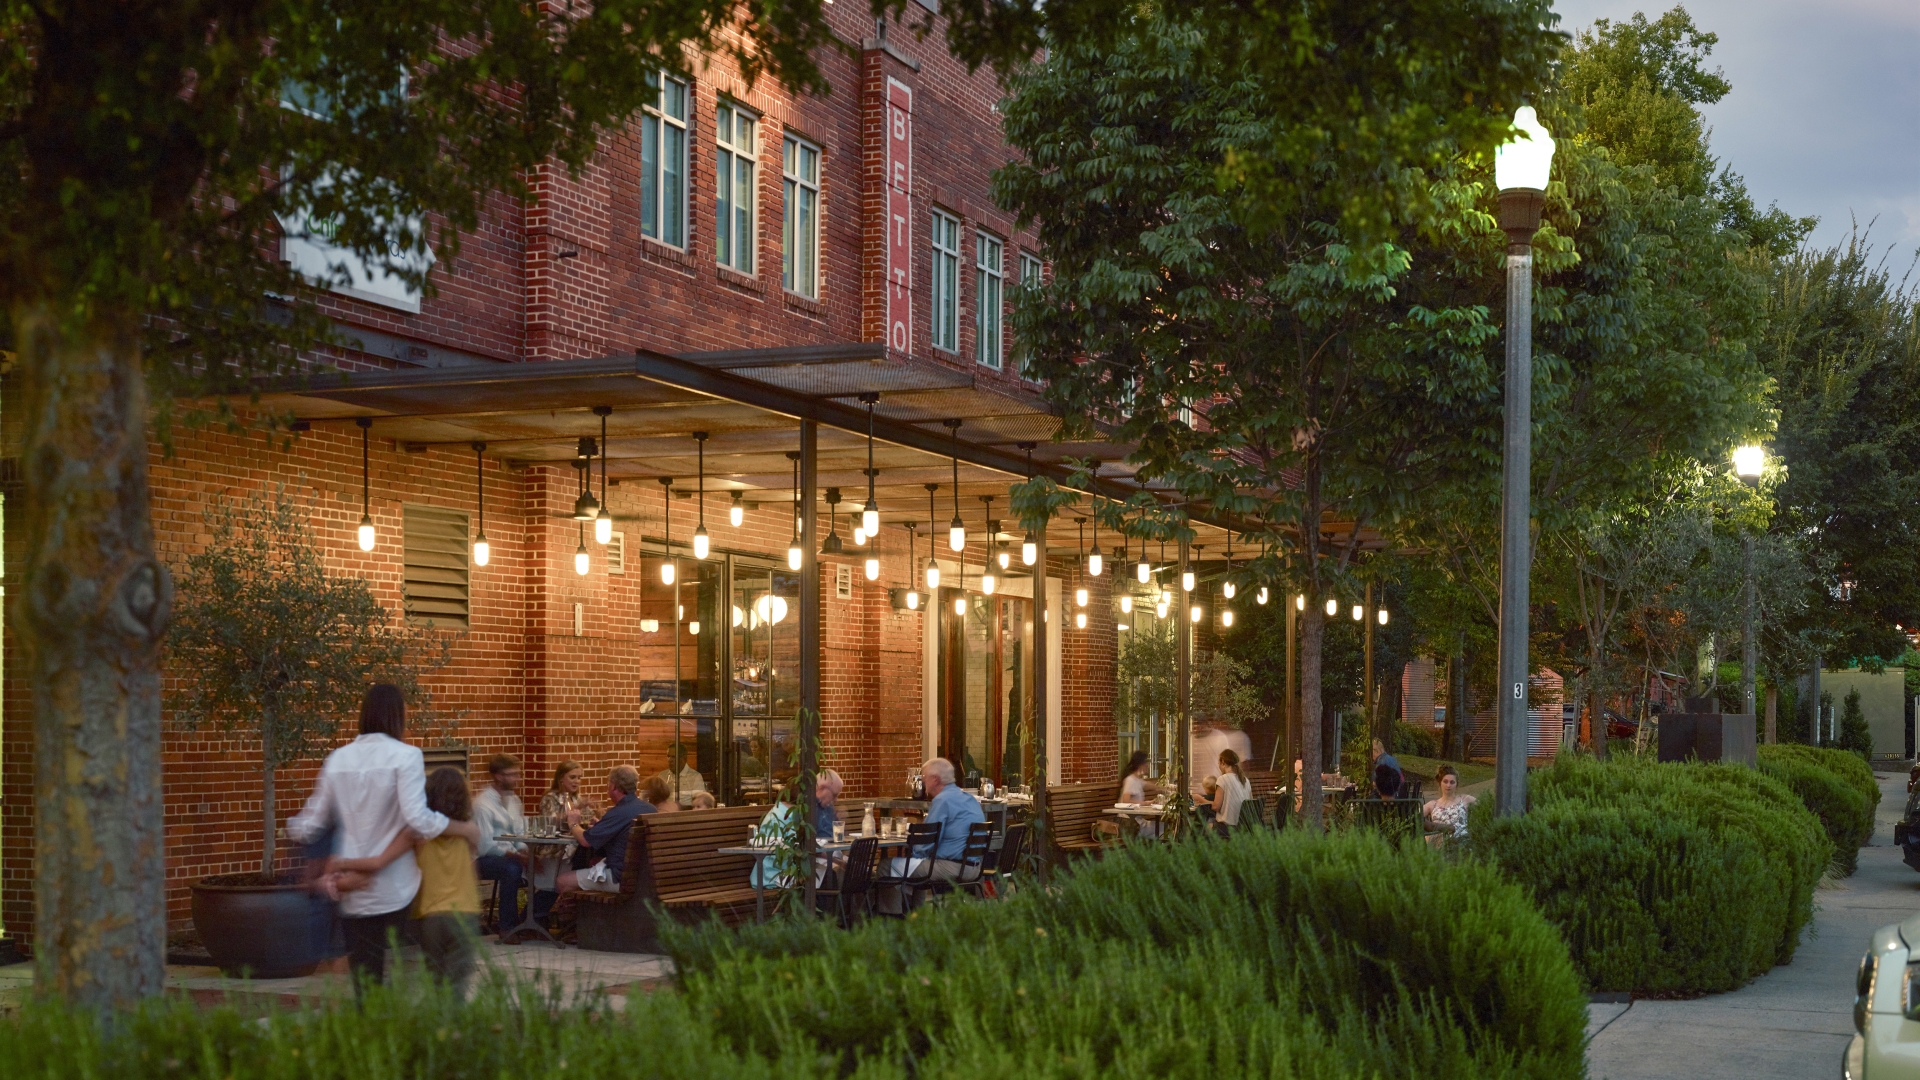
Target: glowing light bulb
1160,609
1300,602
1080,620
988,582
873,568
739,616
702,546
1333,606
1006,558
1227,589
913,601
1095,564
1143,571
603,527
649,626
870,520
1383,616
694,628
859,536
1126,604
482,551
666,572
1029,550
960,604
1226,617
957,536
366,532
1080,597
736,513
933,575
1261,596
1186,581
793,556
1193,613
1359,613
580,562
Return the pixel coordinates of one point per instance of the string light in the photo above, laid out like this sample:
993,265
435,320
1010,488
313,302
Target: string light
1193,613
1333,606
1080,620
1383,616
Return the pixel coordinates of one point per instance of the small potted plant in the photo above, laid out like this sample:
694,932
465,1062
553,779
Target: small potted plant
265,642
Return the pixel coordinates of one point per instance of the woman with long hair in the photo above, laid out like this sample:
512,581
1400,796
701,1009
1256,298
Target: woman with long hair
564,795
1134,785
1234,790
1448,813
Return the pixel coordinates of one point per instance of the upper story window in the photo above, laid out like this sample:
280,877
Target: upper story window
800,218
946,282
989,273
663,163
1029,279
735,140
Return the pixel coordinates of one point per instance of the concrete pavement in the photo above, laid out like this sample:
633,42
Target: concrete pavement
1791,1023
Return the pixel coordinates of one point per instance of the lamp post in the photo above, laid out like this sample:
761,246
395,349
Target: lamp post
1748,463
1520,169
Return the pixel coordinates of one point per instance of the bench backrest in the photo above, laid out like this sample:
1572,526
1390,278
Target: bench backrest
1073,808
675,853
1262,781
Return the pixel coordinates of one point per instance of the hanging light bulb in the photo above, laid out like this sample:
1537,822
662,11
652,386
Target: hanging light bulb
736,513
793,555
913,601
666,571
933,564
603,521
1193,613
1261,596
956,529
1080,596
1359,613
1383,616
694,628
1080,620
1144,571
1095,563
960,604
873,568
1005,557
702,547
1029,549
603,527
1160,609
580,555
988,582
482,551
666,528
1226,616
1333,606
366,505
649,626
870,514
1227,590
1300,602
859,536
1126,603
956,534
1186,581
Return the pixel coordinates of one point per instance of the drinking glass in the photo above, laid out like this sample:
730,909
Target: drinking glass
839,831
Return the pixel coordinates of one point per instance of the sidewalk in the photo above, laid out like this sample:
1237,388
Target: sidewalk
578,972
1791,1023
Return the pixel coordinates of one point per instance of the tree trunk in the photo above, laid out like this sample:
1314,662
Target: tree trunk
1596,707
1312,623
1773,715
268,827
95,607
1454,731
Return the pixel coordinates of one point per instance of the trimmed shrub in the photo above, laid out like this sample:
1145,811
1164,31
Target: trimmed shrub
1669,878
1827,783
1415,740
1339,955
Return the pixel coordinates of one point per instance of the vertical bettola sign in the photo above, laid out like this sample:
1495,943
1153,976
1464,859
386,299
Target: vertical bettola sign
899,187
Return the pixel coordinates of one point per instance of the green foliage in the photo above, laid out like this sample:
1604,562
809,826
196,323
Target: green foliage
1674,878
1420,741
1336,954
1831,785
1854,734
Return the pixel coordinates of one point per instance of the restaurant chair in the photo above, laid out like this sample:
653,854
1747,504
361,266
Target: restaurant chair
1004,873
973,862
923,843
856,880
1253,814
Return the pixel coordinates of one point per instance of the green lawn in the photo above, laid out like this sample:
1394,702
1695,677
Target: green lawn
1471,772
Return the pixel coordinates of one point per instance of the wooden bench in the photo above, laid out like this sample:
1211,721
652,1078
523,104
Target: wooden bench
1262,781
1072,811
673,861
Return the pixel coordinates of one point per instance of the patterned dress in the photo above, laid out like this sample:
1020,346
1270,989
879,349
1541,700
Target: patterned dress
1452,819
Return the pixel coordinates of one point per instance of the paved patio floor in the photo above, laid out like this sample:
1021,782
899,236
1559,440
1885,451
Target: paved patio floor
1794,1021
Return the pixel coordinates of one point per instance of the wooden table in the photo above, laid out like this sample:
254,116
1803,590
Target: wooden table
1143,810
544,856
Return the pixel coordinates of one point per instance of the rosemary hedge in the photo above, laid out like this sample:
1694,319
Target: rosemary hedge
1837,786
1664,878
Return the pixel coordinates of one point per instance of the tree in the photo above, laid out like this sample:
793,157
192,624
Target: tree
1854,733
266,641
1267,356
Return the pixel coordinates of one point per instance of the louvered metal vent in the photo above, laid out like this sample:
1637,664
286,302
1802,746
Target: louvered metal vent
617,553
436,566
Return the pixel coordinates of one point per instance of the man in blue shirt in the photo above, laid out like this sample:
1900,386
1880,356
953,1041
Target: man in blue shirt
607,837
1381,757
955,812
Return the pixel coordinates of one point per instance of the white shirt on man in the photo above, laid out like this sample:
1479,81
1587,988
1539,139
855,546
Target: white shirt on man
495,813
369,790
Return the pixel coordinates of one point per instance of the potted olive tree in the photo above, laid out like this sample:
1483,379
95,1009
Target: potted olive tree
266,643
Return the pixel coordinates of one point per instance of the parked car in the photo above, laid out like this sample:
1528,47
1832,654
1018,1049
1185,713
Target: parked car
1886,1008
1906,831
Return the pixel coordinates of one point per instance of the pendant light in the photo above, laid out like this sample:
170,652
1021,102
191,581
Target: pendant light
1226,616
1226,585
833,545
1186,576
956,529
603,521
366,505
1144,571
1260,597
933,564
667,562
1080,593
580,553
913,595
1194,613
1383,616
586,507
873,556
870,515
1094,563
1300,602
482,551
794,554
988,580
1126,603
736,513
1030,547
1359,613
1001,554
1333,606
702,546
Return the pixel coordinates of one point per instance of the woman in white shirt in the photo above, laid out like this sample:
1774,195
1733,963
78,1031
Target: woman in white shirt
1232,793
1135,788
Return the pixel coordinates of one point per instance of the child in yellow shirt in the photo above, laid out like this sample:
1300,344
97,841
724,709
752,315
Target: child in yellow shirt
448,905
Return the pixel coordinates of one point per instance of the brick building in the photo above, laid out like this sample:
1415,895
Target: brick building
738,262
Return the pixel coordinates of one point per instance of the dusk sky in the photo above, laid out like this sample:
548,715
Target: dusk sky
1824,117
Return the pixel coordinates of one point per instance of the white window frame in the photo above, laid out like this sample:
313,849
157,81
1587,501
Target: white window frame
661,188
800,239
945,238
736,173
1031,269
989,297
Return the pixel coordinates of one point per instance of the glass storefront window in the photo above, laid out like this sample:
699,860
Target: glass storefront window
983,699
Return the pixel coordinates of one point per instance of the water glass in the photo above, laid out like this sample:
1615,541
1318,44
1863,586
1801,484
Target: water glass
839,831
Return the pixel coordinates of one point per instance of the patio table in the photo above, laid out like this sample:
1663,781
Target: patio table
545,854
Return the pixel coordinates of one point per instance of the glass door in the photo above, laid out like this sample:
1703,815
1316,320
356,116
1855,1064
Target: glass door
984,643
763,746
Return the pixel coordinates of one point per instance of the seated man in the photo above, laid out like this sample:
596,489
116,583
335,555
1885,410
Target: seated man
1381,757
1386,781
497,809
606,839
688,778
955,812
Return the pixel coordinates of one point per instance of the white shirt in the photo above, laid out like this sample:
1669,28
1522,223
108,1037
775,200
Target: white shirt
370,789
495,813
1133,789
1237,793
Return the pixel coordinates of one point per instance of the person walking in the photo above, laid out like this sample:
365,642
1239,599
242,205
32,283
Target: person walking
368,791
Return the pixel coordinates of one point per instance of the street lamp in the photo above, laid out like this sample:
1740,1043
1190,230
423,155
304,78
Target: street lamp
1748,463
1520,168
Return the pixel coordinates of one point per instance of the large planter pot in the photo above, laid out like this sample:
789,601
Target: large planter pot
273,931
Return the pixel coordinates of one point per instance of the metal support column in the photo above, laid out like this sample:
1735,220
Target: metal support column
1041,612
1183,681
1519,218
809,647
1750,648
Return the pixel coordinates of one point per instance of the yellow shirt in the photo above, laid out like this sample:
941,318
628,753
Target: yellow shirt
447,881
